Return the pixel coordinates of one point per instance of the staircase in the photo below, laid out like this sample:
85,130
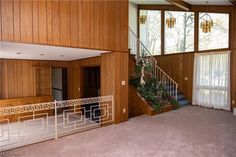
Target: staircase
138,49
180,97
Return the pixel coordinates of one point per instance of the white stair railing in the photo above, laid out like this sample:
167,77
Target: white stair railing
138,49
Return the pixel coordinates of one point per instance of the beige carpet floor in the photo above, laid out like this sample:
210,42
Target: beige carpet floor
186,132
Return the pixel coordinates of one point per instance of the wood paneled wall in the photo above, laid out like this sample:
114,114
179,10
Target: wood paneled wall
75,74
114,70
91,24
180,66
233,58
18,78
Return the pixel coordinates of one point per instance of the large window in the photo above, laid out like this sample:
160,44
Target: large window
179,38
211,87
150,30
218,37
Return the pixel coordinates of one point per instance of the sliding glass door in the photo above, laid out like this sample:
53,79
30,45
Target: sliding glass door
211,86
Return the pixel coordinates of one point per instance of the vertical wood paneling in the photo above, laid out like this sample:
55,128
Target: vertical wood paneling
56,22
113,72
124,26
7,20
35,22
80,23
92,26
26,21
65,23
42,5
1,74
74,23
0,20
97,24
112,25
49,22
86,25
17,28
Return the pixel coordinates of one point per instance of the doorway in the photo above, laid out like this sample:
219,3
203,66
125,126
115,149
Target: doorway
90,83
59,83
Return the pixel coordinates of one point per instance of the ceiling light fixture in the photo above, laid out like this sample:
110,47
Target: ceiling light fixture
61,55
18,53
207,22
41,54
170,21
143,17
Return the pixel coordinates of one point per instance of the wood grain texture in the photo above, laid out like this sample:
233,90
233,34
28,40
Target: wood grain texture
19,78
26,24
17,24
75,74
42,17
56,22
24,101
7,20
113,72
65,17
90,24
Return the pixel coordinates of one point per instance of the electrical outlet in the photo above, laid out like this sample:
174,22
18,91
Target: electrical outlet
233,102
123,83
124,110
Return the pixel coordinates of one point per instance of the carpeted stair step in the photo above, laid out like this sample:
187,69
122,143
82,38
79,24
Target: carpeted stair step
180,97
183,103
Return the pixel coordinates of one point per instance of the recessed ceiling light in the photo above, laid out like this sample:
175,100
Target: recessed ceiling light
18,53
61,55
41,54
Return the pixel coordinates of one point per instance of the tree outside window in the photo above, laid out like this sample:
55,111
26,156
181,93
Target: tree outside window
150,31
218,38
180,38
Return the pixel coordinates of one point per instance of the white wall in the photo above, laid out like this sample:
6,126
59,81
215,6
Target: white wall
133,8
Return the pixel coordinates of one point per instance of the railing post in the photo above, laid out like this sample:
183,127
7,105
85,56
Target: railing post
113,109
56,133
176,90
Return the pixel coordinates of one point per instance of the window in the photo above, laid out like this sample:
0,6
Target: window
218,37
179,38
150,30
211,87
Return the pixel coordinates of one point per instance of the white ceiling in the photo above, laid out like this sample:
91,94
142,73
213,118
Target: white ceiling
12,50
210,2
161,2
192,2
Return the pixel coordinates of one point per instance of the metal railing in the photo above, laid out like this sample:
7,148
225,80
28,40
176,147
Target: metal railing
27,124
137,48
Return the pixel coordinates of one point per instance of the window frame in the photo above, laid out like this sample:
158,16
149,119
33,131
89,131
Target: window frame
196,10
164,52
217,49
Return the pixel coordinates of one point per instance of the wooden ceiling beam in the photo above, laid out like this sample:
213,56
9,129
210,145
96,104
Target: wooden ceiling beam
181,4
233,2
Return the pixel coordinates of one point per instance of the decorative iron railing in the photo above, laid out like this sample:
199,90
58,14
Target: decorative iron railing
138,49
27,124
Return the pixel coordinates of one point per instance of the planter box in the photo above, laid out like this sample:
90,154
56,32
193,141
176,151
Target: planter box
165,109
